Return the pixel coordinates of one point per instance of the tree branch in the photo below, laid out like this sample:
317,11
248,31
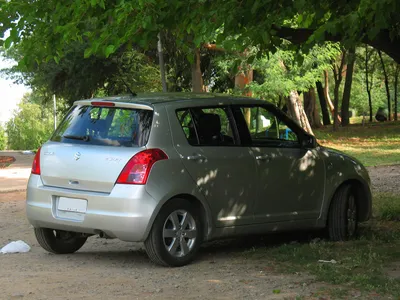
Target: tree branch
382,40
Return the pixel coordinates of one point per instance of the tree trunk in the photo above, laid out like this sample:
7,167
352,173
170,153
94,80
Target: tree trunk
161,63
311,109
369,87
386,86
296,111
328,98
336,116
338,76
322,101
317,117
241,80
197,79
396,81
370,106
347,87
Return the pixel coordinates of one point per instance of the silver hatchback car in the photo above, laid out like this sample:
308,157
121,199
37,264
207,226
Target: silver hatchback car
174,170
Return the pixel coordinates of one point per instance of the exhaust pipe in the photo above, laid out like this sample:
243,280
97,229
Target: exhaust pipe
104,235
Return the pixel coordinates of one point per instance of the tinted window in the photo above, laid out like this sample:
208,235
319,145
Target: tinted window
265,127
207,126
109,126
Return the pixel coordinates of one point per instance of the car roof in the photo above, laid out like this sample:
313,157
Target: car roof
156,98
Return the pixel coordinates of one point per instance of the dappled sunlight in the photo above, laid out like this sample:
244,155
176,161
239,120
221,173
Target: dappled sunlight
230,189
306,162
289,186
203,180
235,211
214,281
373,144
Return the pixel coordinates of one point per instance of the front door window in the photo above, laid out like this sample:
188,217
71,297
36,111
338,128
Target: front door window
265,128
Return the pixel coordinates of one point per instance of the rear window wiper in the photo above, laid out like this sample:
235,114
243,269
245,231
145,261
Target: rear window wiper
85,138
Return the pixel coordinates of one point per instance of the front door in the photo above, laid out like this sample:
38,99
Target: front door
290,178
224,171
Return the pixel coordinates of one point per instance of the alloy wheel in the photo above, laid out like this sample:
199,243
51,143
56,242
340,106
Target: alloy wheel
179,233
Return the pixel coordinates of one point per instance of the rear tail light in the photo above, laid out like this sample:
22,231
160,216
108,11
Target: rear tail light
137,170
36,163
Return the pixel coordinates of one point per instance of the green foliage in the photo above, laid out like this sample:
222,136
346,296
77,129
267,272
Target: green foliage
74,77
285,71
135,69
3,138
30,126
106,26
359,97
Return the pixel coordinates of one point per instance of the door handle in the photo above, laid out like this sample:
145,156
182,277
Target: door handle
196,157
264,157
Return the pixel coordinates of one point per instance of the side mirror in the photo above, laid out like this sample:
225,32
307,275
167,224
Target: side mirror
308,141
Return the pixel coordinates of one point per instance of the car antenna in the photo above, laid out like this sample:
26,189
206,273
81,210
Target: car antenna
129,89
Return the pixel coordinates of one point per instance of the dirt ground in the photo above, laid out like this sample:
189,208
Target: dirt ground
110,269
385,179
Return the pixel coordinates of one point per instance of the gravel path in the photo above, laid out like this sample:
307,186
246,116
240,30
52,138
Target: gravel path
110,269
385,179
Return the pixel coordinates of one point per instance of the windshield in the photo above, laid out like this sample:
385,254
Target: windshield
108,126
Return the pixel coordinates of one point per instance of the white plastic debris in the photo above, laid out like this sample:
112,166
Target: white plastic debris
27,152
332,261
15,247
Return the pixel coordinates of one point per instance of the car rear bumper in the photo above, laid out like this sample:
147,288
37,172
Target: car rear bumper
125,213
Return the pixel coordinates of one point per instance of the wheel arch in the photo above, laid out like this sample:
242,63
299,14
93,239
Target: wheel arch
205,213
362,195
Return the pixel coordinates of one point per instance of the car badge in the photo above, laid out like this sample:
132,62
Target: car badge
77,155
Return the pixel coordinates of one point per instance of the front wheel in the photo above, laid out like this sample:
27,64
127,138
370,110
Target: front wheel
343,215
59,241
176,234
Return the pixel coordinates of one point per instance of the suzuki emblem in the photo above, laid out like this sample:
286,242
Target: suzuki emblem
77,155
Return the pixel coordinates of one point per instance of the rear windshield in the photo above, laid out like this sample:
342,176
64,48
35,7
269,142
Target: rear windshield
108,126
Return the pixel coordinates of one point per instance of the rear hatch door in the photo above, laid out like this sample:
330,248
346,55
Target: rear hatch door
93,144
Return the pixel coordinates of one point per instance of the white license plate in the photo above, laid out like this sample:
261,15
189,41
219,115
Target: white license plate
72,205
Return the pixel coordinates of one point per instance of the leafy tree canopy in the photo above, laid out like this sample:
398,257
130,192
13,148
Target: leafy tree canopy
3,138
282,72
30,126
108,25
72,77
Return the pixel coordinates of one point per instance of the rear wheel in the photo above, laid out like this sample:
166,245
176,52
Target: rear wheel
343,215
59,241
176,234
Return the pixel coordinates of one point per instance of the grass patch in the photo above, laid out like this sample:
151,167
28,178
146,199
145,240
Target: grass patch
373,144
361,264
386,207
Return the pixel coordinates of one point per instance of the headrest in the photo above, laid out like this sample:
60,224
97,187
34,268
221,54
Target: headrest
209,126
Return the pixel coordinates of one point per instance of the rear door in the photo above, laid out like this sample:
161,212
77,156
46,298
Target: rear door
207,141
92,145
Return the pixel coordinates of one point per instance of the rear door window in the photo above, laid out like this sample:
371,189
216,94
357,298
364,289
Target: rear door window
207,126
108,126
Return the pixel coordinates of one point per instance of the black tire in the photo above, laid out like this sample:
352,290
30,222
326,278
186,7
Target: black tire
343,215
59,241
156,243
